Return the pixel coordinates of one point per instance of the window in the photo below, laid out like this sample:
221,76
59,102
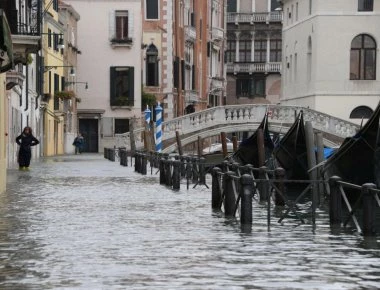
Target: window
121,126
275,5
250,87
245,48
121,19
122,86
49,38
275,49
363,58
55,41
365,5
361,112
56,89
310,6
151,8
260,50
152,66
55,5
309,58
231,5
231,49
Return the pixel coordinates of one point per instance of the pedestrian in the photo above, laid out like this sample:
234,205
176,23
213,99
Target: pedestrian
25,141
78,143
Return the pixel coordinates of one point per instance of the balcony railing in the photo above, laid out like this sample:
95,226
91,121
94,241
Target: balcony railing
190,34
260,67
275,16
217,83
191,96
217,34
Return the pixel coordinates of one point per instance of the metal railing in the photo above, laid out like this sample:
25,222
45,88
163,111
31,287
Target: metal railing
274,16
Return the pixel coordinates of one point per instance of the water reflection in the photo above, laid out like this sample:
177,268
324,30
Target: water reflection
86,223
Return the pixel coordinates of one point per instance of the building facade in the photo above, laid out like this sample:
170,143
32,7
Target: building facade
183,56
253,51
54,79
21,80
111,64
331,57
6,63
70,96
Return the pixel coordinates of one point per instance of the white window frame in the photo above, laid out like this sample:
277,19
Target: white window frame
159,12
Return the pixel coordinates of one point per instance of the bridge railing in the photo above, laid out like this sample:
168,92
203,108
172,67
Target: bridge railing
244,114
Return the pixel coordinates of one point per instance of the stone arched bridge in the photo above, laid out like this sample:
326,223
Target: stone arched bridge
239,118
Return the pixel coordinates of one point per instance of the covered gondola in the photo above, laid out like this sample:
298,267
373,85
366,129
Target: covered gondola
356,161
291,152
248,152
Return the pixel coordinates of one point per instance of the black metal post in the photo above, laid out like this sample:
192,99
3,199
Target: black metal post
280,177
162,171
246,182
229,195
176,175
263,185
216,198
144,161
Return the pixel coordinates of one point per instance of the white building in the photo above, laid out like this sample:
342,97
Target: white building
331,56
109,36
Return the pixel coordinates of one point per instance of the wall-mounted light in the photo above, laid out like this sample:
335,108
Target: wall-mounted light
71,83
72,71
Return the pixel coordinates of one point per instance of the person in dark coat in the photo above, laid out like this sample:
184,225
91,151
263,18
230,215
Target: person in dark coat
78,143
25,140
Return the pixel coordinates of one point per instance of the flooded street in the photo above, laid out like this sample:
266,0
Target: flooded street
82,222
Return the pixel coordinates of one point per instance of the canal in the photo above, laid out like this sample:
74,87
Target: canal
82,222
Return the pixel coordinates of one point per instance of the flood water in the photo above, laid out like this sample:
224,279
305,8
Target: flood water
82,222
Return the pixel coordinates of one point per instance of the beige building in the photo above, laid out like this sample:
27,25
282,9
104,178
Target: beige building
68,105
331,56
254,51
6,63
110,38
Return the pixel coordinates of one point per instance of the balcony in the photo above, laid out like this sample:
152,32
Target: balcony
190,33
25,36
217,34
191,96
255,17
254,67
14,78
217,83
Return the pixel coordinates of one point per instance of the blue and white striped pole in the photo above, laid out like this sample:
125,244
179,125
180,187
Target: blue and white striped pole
158,128
147,115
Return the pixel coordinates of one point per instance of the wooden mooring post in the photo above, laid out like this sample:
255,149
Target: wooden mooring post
246,182
223,137
335,202
229,195
369,209
179,143
216,195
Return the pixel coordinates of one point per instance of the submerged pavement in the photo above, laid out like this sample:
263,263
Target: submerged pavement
83,222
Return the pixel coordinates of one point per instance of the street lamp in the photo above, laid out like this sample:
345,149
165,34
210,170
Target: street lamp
71,83
49,67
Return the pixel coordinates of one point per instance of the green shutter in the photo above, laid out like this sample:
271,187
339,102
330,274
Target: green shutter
131,76
112,86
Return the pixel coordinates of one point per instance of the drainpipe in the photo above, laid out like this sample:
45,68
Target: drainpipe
27,88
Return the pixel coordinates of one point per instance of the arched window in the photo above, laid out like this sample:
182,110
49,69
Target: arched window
152,66
361,112
363,58
245,48
231,48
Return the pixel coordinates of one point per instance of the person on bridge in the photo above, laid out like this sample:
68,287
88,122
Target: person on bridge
25,141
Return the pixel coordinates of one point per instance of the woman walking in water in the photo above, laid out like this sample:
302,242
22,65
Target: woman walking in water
25,140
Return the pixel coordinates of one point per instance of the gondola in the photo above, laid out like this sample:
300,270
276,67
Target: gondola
356,161
291,153
247,152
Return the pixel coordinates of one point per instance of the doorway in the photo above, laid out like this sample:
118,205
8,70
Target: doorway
89,129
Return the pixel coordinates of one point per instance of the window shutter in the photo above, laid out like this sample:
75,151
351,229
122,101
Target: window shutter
183,74
112,85
112,24
130,24
193,77
131,86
